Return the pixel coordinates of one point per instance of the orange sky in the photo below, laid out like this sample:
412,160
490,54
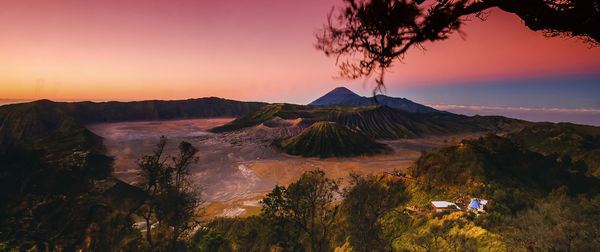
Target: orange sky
246,50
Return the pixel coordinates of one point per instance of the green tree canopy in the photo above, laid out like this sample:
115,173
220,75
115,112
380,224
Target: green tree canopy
303,211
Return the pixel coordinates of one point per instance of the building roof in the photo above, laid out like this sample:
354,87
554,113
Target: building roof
474,204
443,204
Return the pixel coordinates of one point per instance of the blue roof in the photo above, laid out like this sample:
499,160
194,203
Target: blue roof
474,204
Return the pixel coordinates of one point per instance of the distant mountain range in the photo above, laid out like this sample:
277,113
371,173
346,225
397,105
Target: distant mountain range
342,96
46,118
380,121
58,126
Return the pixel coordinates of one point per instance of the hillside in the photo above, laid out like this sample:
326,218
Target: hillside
389,123
342,96
56,185
496,168
329,139
90,112
579,142
379,121
43,118
22,122
271,111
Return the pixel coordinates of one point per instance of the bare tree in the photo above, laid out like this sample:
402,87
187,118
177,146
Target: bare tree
367,36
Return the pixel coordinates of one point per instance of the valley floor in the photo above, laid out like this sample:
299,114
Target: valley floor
237,169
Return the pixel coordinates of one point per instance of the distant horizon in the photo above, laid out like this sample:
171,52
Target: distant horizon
257,50
264,51
578,115
586,86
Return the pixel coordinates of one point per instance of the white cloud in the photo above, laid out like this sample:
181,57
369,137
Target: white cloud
514,109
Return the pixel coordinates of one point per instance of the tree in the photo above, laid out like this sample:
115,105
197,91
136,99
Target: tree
171,201
306,208
215,242
367,36
365,203
559,222
51,201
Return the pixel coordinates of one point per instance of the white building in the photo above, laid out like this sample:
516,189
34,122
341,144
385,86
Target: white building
439,206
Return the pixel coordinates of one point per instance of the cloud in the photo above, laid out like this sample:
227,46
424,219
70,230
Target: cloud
515,109
588,116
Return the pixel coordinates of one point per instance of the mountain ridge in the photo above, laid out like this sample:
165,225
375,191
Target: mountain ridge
380,121
344,97
29,120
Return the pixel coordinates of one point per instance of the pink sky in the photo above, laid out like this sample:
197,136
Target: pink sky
246,50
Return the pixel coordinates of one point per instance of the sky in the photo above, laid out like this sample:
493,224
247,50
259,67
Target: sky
263,50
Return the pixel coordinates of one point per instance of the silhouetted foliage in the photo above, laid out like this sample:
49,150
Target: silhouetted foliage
171,201
367,36
56,204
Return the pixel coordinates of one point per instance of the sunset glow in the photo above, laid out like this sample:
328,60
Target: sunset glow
246,50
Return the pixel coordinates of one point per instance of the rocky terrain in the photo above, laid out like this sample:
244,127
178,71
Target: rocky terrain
239,166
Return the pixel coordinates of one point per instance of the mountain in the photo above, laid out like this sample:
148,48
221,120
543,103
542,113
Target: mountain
341,96
44,119
329,139
580,142
56,181
379,121
335,96
41,118
388,123
59,187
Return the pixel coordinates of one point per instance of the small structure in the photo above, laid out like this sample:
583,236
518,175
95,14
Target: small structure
478,205
439,206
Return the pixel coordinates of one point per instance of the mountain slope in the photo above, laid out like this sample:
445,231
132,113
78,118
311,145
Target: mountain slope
30,120
496,168
329,139
42,118
90,112
389,123
335,96
282,110
379,121
343,97
393,102
579,142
